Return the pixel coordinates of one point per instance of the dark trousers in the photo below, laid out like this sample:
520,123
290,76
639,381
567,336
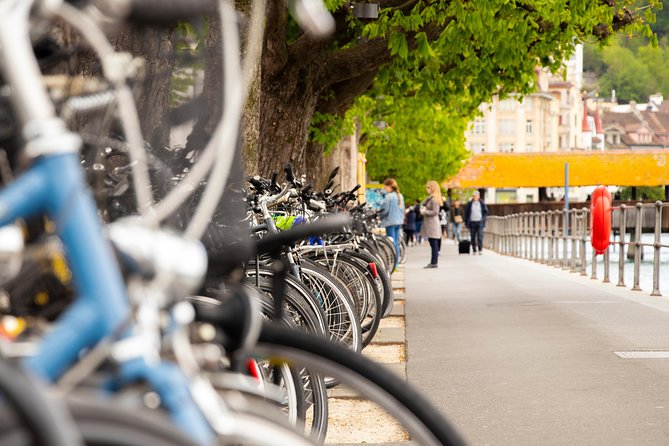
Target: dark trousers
476,230
410,235
434,246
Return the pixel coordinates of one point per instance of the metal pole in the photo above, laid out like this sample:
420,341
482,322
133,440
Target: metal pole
606,265
537,236
565,254
637,247
530,234
543,236
523,231
584,240
551,238
566,194
621,253
657,245
574,245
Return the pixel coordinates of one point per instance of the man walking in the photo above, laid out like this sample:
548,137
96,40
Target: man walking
476,213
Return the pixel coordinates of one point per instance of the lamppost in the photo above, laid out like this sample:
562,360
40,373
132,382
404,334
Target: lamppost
365,10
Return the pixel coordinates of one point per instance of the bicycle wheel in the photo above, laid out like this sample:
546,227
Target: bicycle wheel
299,302
40,419
382,280
110,424
403,250
359,280
104,424
312,384
340,312
424,422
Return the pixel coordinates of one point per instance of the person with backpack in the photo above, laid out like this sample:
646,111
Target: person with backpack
419,222
457,219
476,213
410,225
431,228
392,213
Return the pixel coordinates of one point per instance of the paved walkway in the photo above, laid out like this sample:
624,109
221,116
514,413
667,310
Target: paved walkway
518,353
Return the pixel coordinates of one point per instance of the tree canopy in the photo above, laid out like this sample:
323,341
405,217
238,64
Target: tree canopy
425,55
635,67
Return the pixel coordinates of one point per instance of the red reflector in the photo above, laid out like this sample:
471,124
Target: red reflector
372,268
254,371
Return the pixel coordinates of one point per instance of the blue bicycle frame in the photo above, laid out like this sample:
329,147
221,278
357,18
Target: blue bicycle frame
54,187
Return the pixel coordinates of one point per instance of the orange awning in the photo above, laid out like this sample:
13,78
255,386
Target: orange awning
615,168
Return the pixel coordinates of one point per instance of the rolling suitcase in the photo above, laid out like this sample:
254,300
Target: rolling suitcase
464,247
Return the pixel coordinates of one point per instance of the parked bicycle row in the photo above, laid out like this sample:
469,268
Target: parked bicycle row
217,314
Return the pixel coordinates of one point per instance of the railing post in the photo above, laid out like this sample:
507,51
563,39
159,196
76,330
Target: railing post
657,245
530,234
565,233
543,237
573,220
584,240
637,247
621,252
551,238
537,236
607,265
524,232
519,238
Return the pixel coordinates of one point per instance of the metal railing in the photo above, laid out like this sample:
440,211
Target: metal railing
544,238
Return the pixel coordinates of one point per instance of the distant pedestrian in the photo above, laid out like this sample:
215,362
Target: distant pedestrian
419,222
457,219
476,213
444,213
392,213
410,225
431,228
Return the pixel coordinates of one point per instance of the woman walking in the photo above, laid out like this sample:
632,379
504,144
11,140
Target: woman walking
431,227
457,218
410,224
392,213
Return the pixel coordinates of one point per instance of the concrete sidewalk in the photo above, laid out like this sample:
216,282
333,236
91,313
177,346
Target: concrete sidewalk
517,353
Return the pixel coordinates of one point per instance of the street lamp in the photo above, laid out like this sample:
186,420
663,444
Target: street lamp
366,10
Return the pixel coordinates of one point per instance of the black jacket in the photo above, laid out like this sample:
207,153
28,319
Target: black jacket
468,212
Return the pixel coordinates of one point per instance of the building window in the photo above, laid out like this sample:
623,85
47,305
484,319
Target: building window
506,147
616,139
528,127
478,148
529,148
479,126
563,141
507,126
507,105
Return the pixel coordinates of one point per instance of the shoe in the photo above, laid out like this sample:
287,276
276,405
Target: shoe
480,253
430,265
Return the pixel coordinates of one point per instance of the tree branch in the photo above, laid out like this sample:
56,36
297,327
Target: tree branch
345,93
353,62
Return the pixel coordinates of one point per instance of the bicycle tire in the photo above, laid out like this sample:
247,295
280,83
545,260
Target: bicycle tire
358,276
383,281
342,316
46,423
424,422
312,383
104,424
297,295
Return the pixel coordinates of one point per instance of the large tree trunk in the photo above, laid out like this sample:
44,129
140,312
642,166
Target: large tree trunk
287,104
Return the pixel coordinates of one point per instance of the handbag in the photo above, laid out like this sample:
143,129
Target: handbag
457,219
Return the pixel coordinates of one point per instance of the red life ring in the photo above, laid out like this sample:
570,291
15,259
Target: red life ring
600,219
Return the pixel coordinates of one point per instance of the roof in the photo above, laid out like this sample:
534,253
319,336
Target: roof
546,169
